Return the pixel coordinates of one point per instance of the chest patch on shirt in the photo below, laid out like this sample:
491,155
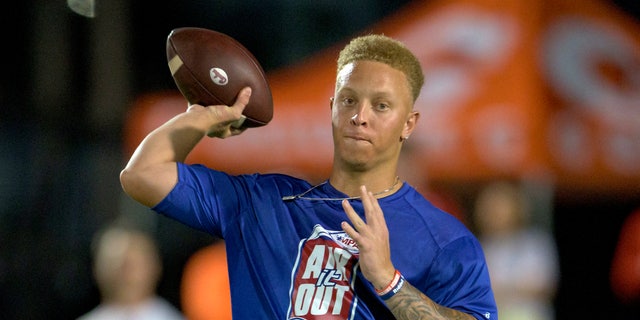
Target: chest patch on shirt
323,277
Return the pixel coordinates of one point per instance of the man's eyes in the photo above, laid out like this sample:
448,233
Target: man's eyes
348,101
380,106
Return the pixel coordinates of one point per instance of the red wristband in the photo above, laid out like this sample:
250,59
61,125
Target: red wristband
391,285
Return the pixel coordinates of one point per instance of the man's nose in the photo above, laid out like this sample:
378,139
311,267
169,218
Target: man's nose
360,117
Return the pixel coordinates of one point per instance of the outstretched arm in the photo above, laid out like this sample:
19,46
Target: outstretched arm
151,172
372,238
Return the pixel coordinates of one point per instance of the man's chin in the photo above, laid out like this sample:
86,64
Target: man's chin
356,163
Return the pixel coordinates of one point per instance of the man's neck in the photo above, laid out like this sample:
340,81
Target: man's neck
349,183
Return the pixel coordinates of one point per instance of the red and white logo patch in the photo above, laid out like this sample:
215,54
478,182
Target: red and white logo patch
322,286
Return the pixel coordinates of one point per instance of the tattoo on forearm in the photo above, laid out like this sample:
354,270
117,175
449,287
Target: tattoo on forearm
411,304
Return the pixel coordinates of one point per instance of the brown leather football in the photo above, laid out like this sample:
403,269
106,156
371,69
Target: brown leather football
210,68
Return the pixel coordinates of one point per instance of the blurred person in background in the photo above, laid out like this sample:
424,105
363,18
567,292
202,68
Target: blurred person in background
127,268
522,257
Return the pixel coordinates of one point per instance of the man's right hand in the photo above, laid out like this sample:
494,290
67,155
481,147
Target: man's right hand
224,117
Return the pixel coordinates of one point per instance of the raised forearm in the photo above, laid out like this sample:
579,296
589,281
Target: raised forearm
171,142
151,172
411,304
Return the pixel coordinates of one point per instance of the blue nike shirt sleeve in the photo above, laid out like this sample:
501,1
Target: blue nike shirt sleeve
459,276
194,199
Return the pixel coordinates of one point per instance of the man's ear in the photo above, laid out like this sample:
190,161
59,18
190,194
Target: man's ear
330,102
410,124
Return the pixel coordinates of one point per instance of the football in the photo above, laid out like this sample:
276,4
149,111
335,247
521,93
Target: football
210,68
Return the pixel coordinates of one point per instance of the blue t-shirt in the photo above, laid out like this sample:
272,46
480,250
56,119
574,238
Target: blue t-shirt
290,259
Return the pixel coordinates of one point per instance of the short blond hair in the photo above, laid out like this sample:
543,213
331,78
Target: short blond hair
389,51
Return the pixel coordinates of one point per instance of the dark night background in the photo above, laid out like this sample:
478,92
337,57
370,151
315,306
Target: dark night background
66,83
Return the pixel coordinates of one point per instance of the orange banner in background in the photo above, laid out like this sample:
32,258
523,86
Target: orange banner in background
513,88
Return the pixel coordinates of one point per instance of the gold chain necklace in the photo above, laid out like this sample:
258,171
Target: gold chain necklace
302,195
